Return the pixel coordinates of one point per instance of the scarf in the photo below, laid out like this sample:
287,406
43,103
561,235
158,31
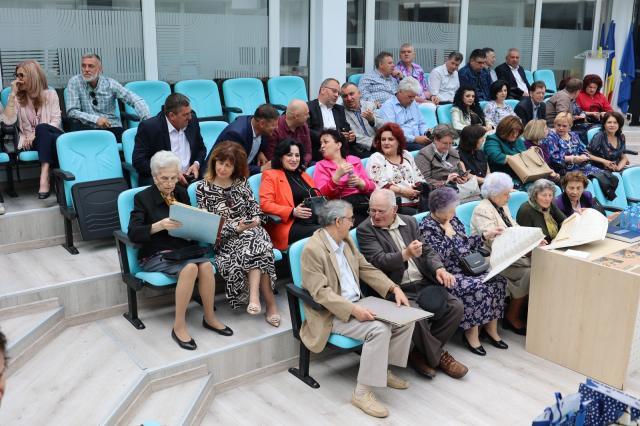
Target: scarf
552,225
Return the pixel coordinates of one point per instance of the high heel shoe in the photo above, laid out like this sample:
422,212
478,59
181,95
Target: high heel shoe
190,345
478,351
226,331
500,344
44,195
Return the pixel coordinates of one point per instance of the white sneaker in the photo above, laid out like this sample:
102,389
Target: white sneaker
2,209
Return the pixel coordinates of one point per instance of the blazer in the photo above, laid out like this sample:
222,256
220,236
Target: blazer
316,125
148,208
485,216
503,71
528,216
323,177
276,198
49,113
240,131
586,201
321,278
379,248
153,136
433,168
524,110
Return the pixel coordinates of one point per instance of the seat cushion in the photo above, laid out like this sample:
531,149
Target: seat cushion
277,254
28,156
343,342
4,158
157,279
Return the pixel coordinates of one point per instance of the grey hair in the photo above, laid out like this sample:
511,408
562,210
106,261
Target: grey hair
384,193
92,55
444,130
404,45
163,160
409,84
331,211
496,183
539,186
443,198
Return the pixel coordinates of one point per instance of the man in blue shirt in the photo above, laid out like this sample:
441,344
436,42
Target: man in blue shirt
475,75
403,110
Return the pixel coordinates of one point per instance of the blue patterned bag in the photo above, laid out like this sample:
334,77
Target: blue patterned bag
607,403
569,411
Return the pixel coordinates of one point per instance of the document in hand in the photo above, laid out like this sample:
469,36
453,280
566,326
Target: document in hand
581,228
197,224
514,243
387,311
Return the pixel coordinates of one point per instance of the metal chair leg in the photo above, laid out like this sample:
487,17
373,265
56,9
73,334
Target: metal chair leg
132,314
302,372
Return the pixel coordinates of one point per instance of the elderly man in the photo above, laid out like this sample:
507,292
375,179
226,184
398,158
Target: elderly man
380,84
408,68
91,99
174,129
331,270
391,242
476,76
362,117
440,162
532,107
443,80
514,75
403,110
292,125
325,113
491,61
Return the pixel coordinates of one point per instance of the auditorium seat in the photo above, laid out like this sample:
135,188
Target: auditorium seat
154,93
246,94
619,203
420,217
204,97
529,76
429,115
592,132
128,143
464,213
310,170
549,80
210,131
444,114
354,237
4,95
516,200
355,78
511,102
631,182
284,89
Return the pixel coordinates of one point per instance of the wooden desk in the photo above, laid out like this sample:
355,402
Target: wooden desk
584,316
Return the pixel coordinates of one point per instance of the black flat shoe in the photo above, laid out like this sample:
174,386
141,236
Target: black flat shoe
507,325
477,351
44,195
500,344
190,345
226,331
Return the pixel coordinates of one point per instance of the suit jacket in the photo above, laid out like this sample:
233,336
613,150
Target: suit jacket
321,278
503,71
379,248
524,110
153,136
316,125
240,131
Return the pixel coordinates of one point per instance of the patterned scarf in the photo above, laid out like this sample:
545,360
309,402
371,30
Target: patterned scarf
552,225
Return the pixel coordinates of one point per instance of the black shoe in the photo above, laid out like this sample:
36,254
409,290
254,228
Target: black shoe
500,344
507,325
190,345
226,331
44,195
478,351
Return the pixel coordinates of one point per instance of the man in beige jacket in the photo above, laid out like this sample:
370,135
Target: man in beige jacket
331,270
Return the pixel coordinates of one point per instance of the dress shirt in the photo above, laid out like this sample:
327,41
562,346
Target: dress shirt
327,116
494,76
409,118
521,84
412,273
257,140
442,84
375,87
179,145
282,132
349,288
535,109
418,73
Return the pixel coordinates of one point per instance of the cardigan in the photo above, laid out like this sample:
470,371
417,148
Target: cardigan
49,113
528,216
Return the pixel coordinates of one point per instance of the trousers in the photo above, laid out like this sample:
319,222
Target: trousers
45,143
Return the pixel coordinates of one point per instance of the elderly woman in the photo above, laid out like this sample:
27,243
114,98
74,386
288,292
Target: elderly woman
394,168
408,68
491,213
593,103
149,226
534,133
466,110
540,211
244,253
496,109
36,109
483,302
283,192
342,176
574,198
471,153
566,151
503,143
607,146
439,162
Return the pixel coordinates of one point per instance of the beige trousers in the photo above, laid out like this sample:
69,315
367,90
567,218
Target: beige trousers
518,276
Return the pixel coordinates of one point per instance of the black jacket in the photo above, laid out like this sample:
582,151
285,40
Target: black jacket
524,110
241,131
528,216
316,125
503,71
153,136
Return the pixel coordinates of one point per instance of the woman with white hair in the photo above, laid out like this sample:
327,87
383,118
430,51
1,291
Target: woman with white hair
493,212
173,256
540,211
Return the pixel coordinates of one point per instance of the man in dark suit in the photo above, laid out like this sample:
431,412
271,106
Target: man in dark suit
533,107
475,75
253,133
174,129
324,113
514,75
391,242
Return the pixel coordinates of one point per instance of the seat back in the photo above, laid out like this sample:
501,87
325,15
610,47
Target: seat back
295,254
464,213
244,93
354,237
592,132
125,205
284,89
154,93
621,196
444,114
4,95
548,78
415,153
355,78
210,131
204,97
128,143
511,102
429,115
364,162
483,104
90,155
254,183
557,190
529,76
631,182
420,217
516,200
191,190
310,170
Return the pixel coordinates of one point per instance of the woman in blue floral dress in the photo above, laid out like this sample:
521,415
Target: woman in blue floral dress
483,302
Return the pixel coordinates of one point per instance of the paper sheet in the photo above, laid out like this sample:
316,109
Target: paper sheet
514,243
581,228
197,224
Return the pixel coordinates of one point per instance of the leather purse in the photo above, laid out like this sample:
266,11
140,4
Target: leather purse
529,165
315,203
474,264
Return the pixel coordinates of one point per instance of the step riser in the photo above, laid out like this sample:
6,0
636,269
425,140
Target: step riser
28,308
19,361
201,404
26,346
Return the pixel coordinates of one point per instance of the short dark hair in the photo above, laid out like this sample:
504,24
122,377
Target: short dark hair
619,118
469,137
477,53
174,102
487,50
573,85
537,84
266,112
337,136
497,86
456,55
283,148
228,151
347,84
507,125
380,56
592,79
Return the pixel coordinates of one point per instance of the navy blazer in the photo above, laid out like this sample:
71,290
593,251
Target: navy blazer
503,71
240,131
524,110
153,136
316,124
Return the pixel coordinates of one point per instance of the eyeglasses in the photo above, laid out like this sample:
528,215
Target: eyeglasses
93,96
373,212
19,75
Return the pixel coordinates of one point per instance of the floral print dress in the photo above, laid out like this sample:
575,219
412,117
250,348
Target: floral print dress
483,302
559,148
385,173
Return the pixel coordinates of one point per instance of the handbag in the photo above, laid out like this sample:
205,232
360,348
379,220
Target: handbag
359,202
529,165
185,253
568,411
607,403
474,263
315,203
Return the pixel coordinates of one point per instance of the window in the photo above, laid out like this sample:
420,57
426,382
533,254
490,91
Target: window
294,38
355,36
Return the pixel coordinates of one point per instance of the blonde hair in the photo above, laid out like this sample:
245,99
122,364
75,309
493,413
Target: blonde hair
35,84
564,116
534,130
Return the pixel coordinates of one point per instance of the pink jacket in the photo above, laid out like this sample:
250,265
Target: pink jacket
49,113
325,170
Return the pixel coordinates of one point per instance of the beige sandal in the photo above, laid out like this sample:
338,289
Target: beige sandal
273,320
253,308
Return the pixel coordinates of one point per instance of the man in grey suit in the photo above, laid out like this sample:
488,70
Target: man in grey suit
391,243
362,117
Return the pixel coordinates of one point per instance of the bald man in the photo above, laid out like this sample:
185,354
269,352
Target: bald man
292,124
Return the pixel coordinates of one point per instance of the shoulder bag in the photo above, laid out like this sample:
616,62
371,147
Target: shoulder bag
529,165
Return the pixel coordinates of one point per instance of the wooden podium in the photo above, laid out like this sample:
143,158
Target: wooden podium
584,316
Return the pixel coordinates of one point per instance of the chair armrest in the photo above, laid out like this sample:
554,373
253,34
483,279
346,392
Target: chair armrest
279,107
232,109
63,175
633,200
130,117
128,167
273,218
630,152
612,209
304,296
124,238
211,118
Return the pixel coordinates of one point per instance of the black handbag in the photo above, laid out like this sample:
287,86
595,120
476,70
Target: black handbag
186,253
433,298
475,263
315,203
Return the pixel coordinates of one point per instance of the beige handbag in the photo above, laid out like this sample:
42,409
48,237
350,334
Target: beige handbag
529,165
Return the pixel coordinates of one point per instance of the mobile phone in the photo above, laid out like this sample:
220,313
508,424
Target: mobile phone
248,221
463,174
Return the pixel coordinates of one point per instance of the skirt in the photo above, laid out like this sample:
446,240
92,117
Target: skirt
157,263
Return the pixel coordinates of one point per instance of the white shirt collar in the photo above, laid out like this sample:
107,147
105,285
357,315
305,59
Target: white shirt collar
337,248
171,128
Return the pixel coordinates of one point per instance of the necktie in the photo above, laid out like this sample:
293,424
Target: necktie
359,116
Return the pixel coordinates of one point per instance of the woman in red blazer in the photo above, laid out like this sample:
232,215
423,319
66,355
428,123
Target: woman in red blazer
591,100
282,193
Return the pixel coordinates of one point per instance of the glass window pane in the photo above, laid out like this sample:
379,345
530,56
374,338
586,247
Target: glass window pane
355,36
432,27
211,39
501,24
57,34
294,38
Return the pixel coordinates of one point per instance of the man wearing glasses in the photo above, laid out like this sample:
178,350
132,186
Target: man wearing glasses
91,99
475,75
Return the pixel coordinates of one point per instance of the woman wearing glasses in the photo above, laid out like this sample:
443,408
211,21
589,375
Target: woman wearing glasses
244,253
36,109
